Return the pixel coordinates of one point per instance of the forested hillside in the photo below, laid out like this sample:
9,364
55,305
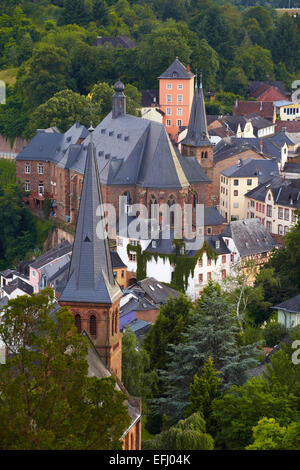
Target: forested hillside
46,47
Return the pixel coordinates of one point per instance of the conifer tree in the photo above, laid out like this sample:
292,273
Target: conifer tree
212,332
203,390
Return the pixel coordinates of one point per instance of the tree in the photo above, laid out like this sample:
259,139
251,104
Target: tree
47,399
62,110
269,435
273,333
236,81
136,376
284,42
211,332
188,434
203,390
168,329
48,73
205,59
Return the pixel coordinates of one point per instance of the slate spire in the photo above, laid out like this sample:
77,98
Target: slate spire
91,276
197,134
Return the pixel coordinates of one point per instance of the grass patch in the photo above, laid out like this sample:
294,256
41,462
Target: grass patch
9,76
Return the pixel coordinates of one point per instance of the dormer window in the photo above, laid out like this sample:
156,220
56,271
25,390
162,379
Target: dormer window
174,74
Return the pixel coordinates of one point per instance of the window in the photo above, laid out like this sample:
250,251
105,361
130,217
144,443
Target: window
169,111
209,276
208,230
280,213
232,258
40,169
280,229
223,273
249,182
200,277
269,210
169,98
269,226
169,86
120,242
297,319
27,186
179,111
93,325
41,188
286,229
208,261
236,182
226,241
236,205
200,263
286,214
179,122
132,257
223,259
122,273
179,86
235,192
252,203
179,98
78,323
168,122
27,168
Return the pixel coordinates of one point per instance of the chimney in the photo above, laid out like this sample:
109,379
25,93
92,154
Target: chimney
260,107
188,67
261,144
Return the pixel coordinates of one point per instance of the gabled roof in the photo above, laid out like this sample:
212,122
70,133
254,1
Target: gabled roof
250,237
291,305
91,276
285,192
268,93
18,283
58,251
246,108
52,146
156,291
262,169
197,134
256,86
177,70
149,98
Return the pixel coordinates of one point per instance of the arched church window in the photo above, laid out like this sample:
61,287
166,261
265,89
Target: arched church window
78,323
152,201
127,195
93,325
171,202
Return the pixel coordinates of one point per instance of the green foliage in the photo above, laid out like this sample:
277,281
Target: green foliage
211,332
7,172
269,435
273,333
47,400
188,434
136,376
18,232
47,206
203,390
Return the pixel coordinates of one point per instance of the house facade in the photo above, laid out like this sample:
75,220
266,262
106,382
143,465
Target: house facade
288,312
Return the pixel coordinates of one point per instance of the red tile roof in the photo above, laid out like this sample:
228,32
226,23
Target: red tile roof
261,108
268,93
291,126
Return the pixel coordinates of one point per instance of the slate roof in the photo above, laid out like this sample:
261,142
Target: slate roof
137,303
122,40
91,276
269,146
149,289
263,169
291,305
18,284
116,260
3,301
51,147
197,134
212,216
284,191
291,167
54,253
250,237
178,69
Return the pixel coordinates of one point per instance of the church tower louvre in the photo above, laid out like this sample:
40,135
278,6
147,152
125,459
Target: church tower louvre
91,292
197,143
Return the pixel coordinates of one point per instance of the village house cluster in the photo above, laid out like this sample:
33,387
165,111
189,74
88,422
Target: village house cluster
243,169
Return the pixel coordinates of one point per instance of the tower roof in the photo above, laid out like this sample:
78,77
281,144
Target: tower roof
197,134
91,276
177,70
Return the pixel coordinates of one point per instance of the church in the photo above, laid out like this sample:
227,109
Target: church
93,294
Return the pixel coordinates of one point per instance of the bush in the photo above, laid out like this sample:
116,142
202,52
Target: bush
273,333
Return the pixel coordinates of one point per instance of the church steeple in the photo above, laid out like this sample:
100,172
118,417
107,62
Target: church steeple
91,275
91,291
197,134
118,100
